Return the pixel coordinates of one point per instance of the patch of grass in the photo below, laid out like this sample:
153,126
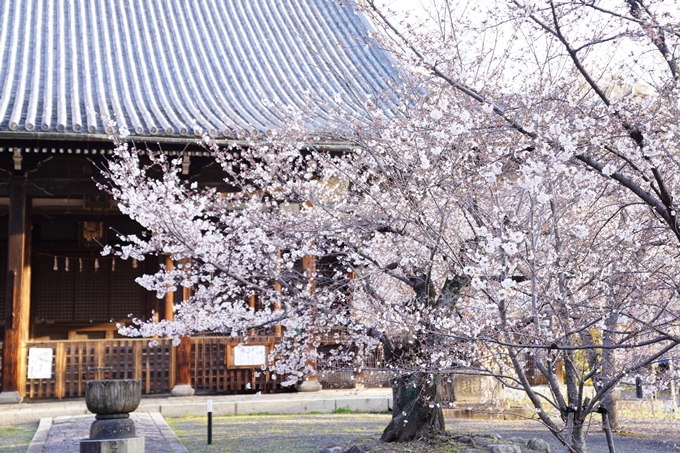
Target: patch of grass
16,439
345,410
629,434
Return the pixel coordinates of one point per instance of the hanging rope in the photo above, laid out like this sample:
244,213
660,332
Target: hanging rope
82,262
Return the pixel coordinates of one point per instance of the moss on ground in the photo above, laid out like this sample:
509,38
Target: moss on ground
16,439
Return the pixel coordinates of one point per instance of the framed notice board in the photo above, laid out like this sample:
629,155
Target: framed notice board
247,355
40,363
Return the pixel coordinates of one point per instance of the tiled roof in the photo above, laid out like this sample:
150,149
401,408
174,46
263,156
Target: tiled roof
178,67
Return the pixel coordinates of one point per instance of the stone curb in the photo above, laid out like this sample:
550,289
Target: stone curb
168,434
301,406
17,414
35,414
40,436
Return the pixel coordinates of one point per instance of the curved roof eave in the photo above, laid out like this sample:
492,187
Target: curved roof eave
177,75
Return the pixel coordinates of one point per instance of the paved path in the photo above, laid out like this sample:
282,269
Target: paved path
64,423
63,434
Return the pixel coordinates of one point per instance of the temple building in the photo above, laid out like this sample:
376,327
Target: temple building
169,72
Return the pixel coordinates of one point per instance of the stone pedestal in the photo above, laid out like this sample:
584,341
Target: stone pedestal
113,430
132,445
309,386
10,398
182,390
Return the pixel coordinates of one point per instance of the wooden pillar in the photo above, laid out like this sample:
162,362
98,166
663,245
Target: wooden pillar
251,303
183,358
169,311
186,293
18,298
311,383
278,330
169,314
183,369
151,266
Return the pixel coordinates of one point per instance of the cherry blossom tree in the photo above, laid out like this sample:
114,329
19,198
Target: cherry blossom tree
511,200
590,84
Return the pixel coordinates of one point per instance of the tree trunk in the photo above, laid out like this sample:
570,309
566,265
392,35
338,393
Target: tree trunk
578,438
610,404
609,370
416,408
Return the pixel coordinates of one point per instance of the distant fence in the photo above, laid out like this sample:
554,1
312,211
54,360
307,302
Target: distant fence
372,375
74,362
210,370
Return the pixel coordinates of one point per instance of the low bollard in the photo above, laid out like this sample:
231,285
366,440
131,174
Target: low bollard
209,422
638,388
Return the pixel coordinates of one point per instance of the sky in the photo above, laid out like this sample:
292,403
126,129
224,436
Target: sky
613,54
412,6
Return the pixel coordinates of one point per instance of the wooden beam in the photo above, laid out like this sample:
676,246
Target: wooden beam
60,188
17,309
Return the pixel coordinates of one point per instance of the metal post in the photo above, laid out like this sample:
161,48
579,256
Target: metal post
607,428
638,388
670,372
209,422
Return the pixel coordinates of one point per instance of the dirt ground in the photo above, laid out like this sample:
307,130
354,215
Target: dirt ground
638,436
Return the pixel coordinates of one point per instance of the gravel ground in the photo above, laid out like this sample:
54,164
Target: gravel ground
277,433
310,433
641,436
16,439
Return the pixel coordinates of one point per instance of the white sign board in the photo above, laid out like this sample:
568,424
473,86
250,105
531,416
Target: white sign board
250,355
40,363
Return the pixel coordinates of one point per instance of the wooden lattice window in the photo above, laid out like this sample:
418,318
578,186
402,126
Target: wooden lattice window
86,292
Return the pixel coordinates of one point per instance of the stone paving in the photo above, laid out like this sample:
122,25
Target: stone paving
64,434
64,423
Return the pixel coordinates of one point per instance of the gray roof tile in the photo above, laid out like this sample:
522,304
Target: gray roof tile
179,67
